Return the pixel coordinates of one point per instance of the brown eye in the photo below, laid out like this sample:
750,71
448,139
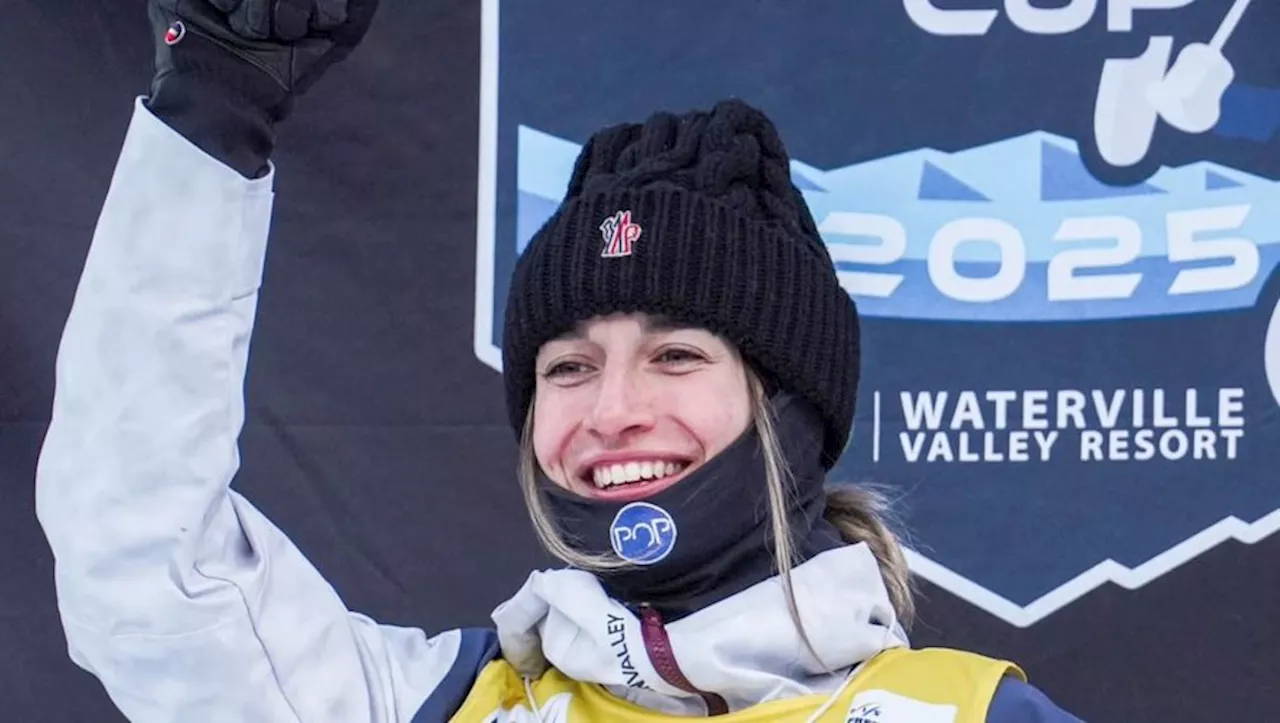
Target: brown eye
676,356
565,369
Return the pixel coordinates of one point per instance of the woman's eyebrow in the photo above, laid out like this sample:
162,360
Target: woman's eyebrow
660,324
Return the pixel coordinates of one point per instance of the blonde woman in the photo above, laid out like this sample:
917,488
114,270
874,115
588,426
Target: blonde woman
681,368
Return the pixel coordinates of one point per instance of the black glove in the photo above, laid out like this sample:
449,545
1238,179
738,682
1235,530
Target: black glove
227,71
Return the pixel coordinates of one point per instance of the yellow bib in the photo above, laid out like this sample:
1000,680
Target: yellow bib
933,685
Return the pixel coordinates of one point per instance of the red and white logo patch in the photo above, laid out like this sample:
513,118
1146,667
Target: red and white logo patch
176,32
620,235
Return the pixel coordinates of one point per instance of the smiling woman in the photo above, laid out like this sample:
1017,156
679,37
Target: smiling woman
627,404
681,368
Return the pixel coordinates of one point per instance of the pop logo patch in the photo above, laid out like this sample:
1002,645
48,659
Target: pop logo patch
643,533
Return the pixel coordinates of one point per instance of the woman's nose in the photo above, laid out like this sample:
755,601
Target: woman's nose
621,406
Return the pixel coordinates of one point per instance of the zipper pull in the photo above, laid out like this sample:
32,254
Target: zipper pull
658,647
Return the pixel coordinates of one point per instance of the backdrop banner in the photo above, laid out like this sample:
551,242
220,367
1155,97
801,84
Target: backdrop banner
1060,225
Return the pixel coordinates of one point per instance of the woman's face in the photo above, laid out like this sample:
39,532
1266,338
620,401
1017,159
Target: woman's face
626,405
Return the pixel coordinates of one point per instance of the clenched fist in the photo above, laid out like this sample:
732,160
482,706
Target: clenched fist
292,41
286,20
227,71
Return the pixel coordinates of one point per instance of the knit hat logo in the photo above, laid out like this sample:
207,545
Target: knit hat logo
620,235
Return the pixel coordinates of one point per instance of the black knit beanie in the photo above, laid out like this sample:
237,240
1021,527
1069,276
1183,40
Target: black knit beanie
695,218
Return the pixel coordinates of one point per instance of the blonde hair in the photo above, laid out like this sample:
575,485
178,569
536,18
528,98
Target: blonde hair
859,513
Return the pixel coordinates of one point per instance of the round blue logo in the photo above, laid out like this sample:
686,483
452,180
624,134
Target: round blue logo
643,533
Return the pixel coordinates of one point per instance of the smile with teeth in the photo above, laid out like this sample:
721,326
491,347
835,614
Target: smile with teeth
607,475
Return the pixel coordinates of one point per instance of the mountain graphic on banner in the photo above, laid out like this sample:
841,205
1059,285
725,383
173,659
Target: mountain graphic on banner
938,185
1033,182
1217,180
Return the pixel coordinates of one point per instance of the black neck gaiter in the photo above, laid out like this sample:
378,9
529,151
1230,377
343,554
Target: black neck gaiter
708,536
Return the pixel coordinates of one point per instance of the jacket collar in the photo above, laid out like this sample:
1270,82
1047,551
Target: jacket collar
744,648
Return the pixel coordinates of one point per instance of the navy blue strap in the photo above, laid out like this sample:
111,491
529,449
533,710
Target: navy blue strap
478,648
1018,702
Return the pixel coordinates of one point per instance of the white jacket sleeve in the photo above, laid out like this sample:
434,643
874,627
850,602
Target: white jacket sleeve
180,596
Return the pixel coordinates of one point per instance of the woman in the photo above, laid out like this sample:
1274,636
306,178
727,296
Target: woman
680,366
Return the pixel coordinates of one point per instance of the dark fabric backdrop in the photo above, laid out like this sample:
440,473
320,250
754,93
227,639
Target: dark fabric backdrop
375,437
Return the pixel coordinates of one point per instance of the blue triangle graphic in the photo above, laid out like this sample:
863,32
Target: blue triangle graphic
532,211
938,185
1063,177
804,184
1214,181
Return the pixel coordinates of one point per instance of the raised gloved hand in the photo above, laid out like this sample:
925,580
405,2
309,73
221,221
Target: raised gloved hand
228,71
